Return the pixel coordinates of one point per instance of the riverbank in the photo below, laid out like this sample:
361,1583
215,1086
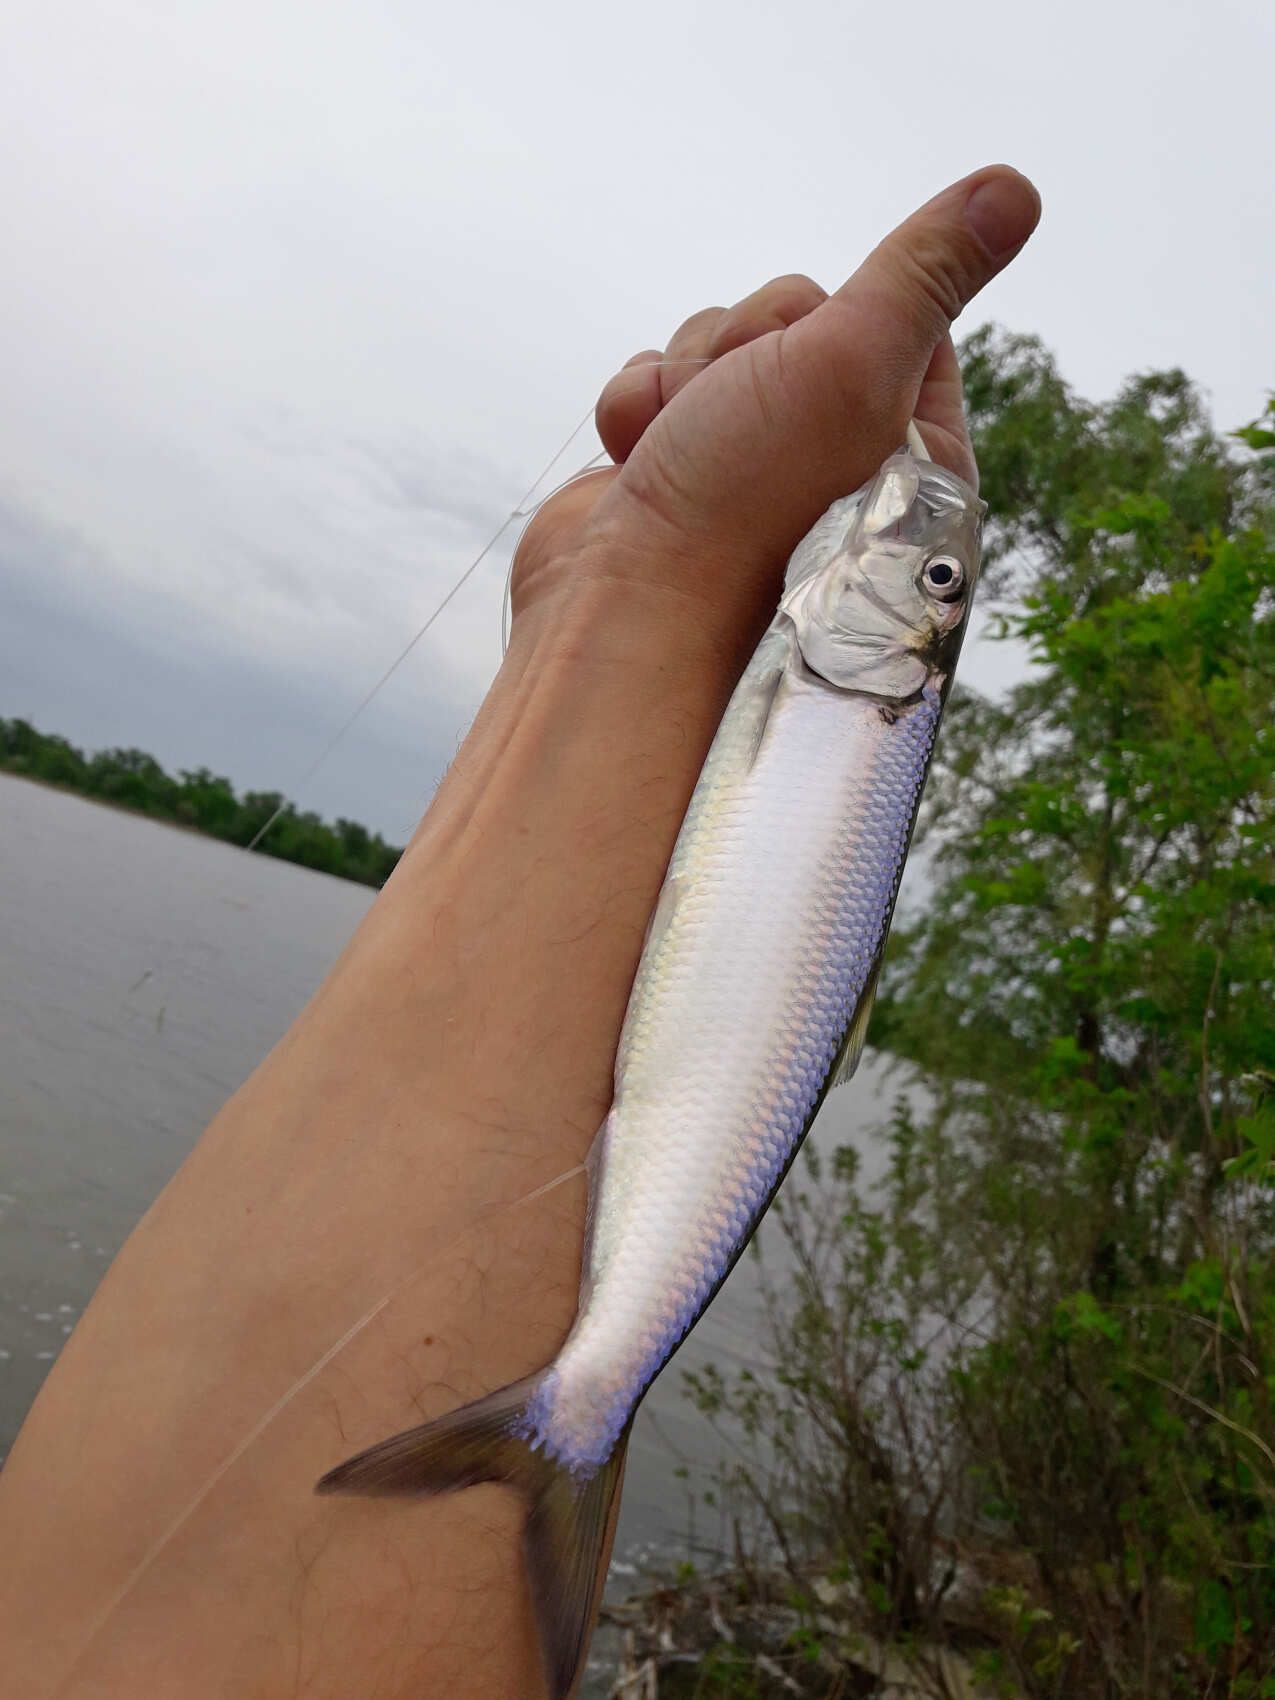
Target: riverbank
750,1634
198,801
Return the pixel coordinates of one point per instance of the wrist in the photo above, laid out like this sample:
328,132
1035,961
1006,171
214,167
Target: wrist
627,587
529,883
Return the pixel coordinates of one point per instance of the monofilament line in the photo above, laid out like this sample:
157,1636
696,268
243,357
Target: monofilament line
222,1470
365,702
517,512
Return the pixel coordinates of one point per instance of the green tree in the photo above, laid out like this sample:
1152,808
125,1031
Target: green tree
208,802
1060,1448
134,780
131,778
24,750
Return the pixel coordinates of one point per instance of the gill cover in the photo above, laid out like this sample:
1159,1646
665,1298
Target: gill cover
866,614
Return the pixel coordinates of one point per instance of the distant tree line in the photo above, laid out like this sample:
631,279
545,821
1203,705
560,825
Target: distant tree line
131,779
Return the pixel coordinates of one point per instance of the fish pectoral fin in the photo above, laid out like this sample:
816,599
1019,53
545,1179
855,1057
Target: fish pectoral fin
676,886
847,1058
764,707
671,894
568,1521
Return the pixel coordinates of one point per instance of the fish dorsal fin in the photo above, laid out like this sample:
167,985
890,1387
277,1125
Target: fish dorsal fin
847,1058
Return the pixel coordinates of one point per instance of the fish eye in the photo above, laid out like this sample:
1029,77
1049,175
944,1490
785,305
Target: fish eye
943,577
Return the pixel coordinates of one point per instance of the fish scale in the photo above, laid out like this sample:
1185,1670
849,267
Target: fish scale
751,996
824,813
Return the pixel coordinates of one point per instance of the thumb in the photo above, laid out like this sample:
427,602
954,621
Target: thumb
855,366
915,283
751,452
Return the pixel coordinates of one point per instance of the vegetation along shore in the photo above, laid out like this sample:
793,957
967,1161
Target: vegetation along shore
198,799
1011,1435
1010,1431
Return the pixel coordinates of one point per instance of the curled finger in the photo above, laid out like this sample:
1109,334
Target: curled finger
628,404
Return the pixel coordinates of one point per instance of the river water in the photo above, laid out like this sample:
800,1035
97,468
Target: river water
144,972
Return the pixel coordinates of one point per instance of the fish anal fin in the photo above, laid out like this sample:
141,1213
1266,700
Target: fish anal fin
847,1058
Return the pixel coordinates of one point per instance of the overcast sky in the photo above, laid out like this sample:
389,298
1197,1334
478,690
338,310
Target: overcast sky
296,298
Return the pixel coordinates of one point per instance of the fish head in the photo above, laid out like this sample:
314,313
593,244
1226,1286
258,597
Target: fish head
883,607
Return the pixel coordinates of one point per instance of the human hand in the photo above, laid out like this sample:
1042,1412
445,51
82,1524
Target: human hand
720,469
405,1154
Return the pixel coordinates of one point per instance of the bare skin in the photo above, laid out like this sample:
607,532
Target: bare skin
458,1058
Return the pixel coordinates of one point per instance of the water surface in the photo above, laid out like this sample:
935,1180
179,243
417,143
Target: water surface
144,972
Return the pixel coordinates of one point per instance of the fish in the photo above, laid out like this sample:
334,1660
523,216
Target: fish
751,1001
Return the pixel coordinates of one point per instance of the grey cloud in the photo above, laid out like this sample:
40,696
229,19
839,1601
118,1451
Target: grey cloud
285,330
106,666
402,469
450,485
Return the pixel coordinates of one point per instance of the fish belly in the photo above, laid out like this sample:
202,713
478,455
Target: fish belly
770,924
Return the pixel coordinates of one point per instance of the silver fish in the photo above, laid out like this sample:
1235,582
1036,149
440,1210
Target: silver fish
751,1001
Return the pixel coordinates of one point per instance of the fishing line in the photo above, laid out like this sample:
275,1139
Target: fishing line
520,511
524,512
506,606
369,697
222,1470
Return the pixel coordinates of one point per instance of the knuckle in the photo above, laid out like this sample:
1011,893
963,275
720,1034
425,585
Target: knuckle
630,380
792,296
612,399
936,280
661,487
774,307
626,406
738,329
698,326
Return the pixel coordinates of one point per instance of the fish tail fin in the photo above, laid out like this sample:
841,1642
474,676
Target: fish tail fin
567,1519
481,1442
568,1524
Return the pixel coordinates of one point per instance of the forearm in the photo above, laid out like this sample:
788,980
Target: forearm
458,1057
457,1060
